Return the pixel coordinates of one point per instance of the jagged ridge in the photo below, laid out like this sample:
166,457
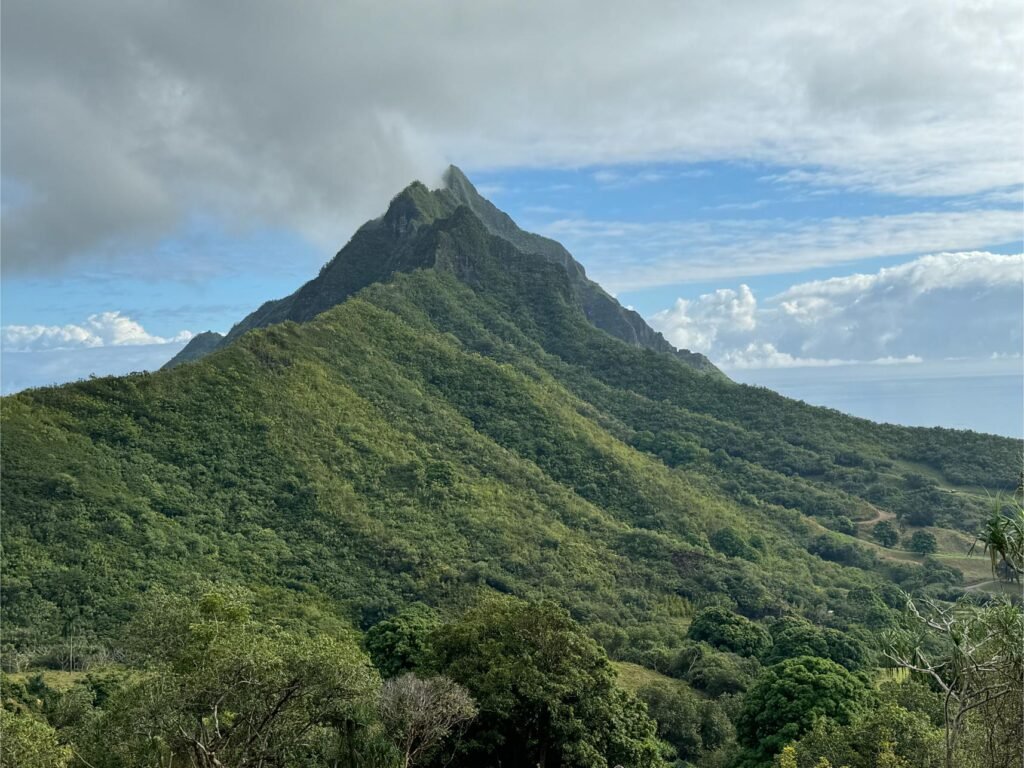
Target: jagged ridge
393,244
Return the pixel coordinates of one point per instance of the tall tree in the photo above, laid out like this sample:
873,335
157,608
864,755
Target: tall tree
923,543
974,655
1002,539
400,643
28,742
885,533
419,714
546,691
788,697
220,689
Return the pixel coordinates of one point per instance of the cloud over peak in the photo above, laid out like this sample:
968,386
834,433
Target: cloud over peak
122,119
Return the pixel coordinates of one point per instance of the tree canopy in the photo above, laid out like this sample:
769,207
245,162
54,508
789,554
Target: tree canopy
788,697
726,630
546,691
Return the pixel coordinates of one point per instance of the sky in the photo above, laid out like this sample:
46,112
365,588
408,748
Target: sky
787,186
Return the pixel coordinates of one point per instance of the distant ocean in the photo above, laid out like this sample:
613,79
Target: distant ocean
985,397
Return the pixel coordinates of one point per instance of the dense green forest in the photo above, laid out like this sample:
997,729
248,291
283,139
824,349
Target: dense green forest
470,512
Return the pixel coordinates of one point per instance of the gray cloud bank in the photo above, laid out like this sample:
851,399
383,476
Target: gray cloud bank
122,119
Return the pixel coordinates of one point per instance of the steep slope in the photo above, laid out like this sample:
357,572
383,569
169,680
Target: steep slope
602,310
461,426
388,245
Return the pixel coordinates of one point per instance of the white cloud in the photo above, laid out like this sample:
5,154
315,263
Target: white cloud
928,273
751,206
610,179
491,190
697,324
104,329
948,305
121,119
626,255
914,359
765,355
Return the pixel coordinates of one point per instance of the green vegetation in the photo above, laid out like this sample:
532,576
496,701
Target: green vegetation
696,729
923,543
886,736
454,477
787,699
794,637
219,688
546,691
885,533
1002,538
729,632
973,657
28,742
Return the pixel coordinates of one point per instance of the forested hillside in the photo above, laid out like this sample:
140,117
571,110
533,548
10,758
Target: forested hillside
455,462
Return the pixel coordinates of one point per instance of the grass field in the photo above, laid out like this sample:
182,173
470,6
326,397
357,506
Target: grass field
954,547
633,677
56,679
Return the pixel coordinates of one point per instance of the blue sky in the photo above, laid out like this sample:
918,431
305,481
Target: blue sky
787,187
725,197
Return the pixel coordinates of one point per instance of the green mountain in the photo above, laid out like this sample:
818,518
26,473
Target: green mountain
450,409
395,243
463,421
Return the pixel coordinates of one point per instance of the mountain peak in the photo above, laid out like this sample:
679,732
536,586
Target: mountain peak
415,206
394,243
456,182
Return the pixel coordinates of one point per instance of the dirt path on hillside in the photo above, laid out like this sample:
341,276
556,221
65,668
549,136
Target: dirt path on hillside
981,584
880,515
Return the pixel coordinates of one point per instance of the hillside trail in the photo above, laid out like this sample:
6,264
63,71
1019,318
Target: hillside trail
880,515
981,584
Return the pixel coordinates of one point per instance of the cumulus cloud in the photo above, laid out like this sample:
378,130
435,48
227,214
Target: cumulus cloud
105,329
121,119
711,320
949,305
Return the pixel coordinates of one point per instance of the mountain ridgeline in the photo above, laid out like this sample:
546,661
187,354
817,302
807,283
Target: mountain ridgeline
453,455
406,238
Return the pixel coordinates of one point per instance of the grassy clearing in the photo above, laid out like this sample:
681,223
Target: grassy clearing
633,677
55,679
933,474
953,551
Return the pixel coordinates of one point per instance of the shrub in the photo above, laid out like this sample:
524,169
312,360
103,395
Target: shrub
729,631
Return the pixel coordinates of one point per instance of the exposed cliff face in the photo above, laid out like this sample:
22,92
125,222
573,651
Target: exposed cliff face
403,240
